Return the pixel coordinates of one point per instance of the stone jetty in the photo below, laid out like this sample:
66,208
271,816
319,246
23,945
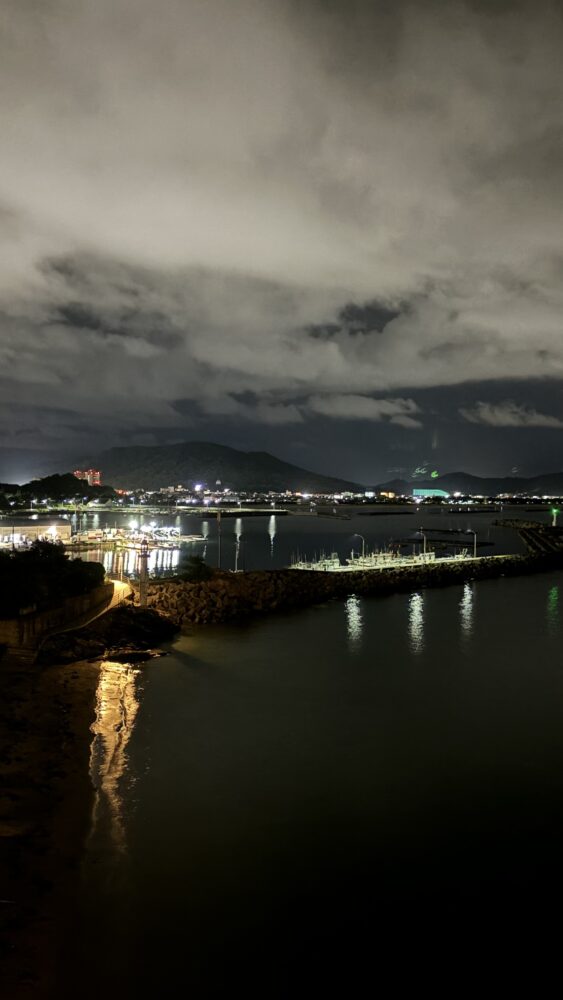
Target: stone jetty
227,596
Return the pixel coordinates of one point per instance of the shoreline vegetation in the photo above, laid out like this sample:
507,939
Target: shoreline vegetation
42,577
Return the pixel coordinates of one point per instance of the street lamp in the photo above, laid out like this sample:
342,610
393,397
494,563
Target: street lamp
143,576
474,533
421,531
357,535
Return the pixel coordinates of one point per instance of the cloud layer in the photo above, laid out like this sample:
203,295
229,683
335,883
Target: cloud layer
508,414
274,211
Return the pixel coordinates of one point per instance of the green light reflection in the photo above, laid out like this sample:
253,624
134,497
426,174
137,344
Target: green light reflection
552,610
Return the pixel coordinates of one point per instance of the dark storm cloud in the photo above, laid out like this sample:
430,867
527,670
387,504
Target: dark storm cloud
275,210
151,327
353,318
372,317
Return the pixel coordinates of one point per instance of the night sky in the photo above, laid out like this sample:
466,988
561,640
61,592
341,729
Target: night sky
331,229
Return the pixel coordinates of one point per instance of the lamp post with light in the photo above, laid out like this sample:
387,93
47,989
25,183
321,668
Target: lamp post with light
357,535
470,531
422,532
554,512
143,576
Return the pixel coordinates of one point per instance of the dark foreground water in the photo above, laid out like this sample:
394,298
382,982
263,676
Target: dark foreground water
365,789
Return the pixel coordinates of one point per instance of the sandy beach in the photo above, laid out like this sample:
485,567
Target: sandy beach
47,709
45,803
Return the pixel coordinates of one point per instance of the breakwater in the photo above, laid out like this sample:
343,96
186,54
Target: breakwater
228,596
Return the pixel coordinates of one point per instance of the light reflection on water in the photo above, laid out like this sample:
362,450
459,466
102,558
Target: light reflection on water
205,534
238,536
272,530
117,704
354,623
416,623
466,611
552,610
126,562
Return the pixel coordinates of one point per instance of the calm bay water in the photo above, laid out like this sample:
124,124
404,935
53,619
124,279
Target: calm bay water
271,542
338,790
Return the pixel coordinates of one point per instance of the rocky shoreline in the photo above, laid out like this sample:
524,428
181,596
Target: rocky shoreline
126,633
228,596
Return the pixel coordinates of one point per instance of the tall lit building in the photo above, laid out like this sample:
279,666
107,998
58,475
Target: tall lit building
92,476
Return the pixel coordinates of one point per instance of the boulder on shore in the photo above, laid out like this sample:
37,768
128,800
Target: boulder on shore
126,628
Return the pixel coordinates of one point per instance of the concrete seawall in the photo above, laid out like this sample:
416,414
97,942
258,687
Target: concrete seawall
22,636
229,596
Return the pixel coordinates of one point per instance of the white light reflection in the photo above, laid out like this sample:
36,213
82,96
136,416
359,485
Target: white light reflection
466,611
117,705
416,623
354,623
272,530
238,536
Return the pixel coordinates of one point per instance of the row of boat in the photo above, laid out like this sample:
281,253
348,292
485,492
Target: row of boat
133,538
383,560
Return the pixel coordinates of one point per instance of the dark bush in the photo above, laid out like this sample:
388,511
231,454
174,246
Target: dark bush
193,568
43,576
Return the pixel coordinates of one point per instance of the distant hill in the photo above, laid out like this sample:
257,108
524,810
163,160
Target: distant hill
56,487
549,484
201,462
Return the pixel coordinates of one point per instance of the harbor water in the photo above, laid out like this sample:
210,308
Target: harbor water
364,788
273,541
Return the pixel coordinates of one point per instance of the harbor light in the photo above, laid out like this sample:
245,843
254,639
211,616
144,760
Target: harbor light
554,511
357,535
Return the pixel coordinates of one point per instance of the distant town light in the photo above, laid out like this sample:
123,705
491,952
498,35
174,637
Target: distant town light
92,476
